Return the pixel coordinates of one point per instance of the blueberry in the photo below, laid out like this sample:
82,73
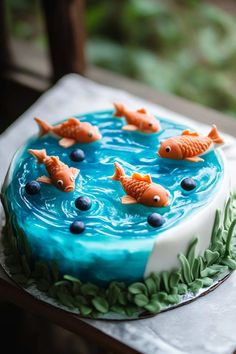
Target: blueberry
155,220
83,203
32,187
77,227
188,184
77,155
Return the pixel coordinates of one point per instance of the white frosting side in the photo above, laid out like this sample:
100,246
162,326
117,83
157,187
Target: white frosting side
172,242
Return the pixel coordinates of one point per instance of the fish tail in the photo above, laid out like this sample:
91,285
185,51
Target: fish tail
119,172
40,155
215,136
120,109
43,126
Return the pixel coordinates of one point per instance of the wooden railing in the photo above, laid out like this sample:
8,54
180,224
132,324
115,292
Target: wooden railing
65,31
66,35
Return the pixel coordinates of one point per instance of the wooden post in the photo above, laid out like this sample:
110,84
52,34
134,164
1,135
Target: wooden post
64,21
4,39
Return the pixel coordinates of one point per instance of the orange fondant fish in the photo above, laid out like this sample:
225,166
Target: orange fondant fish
61,175
141,189
72,131
138,120
189,146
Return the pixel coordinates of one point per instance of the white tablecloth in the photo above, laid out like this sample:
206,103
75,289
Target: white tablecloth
207,325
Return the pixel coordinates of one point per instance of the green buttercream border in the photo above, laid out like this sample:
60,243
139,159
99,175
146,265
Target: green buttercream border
156,293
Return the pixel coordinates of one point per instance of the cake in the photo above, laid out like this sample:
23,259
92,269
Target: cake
119,212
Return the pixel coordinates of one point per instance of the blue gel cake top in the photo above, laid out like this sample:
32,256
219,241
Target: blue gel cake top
117,240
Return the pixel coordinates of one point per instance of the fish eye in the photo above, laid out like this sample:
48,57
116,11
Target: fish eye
150,124
156,198
60,183
72,178
168,149
90,134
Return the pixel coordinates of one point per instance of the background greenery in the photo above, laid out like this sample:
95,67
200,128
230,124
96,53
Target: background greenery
184,47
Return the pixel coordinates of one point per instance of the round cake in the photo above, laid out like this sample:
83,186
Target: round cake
103,202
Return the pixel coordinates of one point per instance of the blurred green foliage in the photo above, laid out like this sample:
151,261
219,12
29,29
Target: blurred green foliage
184,47
25,20
187,47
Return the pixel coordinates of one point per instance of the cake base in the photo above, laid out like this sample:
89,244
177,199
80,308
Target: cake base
42,296
196,276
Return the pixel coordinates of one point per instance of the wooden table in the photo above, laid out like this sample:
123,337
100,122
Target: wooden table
97,331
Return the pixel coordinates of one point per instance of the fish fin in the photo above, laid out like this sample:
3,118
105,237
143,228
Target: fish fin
119,109
73,121
66,142
55,159
139,177
215,136
141,110
75,171
45,179
187,132
130,127
44,128
194,159
40,155
119,172
127,199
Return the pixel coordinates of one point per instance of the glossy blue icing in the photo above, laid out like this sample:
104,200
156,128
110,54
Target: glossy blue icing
118,240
